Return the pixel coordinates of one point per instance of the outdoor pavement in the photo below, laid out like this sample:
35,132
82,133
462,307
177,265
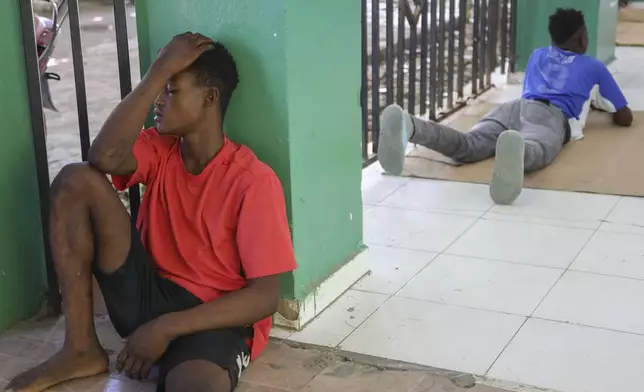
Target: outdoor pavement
281,368
546,292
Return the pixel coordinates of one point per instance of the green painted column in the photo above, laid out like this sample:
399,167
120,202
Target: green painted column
297,107
22,265
532,26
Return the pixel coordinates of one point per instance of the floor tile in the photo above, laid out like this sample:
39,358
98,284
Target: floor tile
435,384
340,319
111,384
20,346
443,336
563,206
524,243
597,301
634,98
12,366
245,386
48,330
484,284
572,358
614,254
432,195
391,268
574,224
358,378
376,186
282,367
417,230
628,211
622,228
280,333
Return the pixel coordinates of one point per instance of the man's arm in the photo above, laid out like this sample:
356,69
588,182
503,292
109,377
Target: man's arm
610,98
111,151
253,303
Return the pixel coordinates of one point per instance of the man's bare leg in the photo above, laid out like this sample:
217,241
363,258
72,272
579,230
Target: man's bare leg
88,221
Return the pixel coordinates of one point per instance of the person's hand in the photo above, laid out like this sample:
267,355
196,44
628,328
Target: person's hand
144,347
181,52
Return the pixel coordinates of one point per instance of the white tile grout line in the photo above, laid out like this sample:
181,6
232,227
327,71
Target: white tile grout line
551,288
388,195
412,278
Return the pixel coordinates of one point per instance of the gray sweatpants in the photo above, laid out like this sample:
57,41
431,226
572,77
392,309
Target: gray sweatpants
543,126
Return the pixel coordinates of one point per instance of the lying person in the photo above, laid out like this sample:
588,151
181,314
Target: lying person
528,133
194,284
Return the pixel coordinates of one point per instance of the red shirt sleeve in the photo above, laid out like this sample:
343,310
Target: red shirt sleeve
263,235
148,149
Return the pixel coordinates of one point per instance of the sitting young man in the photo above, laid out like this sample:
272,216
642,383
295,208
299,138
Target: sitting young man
194,284
528,133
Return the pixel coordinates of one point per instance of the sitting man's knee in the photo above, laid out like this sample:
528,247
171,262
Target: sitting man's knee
74,178
198,376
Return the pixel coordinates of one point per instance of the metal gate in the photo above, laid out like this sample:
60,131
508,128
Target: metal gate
70,9
430,56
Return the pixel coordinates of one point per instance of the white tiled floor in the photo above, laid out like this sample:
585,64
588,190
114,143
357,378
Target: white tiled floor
547,292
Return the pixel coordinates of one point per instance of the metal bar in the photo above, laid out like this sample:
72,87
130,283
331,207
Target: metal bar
433,63
483,66
79,76
389,51
40,147
375,73
125,80
513,35
413,43
493,33
423,56
462,24
122,47
400,58
504,35
440,91
490,51
363,87
450,53
476,28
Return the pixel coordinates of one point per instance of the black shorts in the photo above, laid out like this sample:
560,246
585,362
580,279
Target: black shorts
135,294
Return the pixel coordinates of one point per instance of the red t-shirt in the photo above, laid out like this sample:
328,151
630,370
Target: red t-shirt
211,232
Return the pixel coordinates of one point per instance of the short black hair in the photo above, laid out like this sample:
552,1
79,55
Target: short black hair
564,23
216,68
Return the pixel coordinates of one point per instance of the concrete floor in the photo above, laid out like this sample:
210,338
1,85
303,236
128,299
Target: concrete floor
282,367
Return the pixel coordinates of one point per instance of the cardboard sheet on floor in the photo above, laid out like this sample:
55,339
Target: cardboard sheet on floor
630,34
609,160
632,13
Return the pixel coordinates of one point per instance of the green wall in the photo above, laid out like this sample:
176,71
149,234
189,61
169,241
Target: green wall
532,26
22,266
297,107
607,18
324,76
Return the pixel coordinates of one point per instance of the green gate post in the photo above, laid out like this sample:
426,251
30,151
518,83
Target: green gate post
298,108
22,262
532,26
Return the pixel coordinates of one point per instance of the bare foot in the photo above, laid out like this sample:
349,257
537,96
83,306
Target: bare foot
62,366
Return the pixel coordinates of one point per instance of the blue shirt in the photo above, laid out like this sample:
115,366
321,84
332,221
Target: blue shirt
566,79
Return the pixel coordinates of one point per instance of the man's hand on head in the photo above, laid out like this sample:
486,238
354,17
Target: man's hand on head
181,52
144,347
